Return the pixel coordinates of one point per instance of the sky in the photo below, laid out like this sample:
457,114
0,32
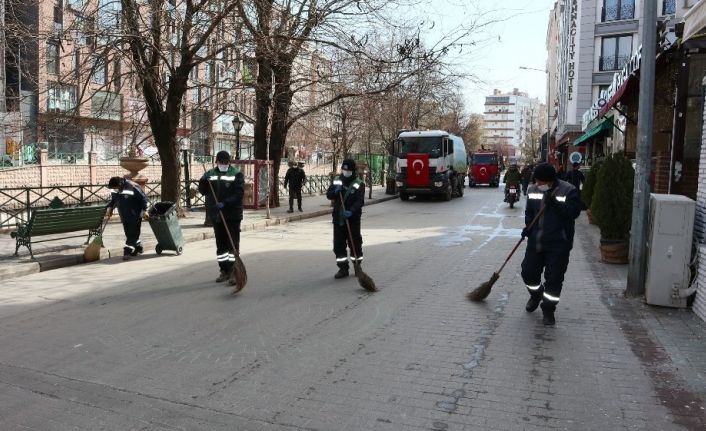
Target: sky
517,37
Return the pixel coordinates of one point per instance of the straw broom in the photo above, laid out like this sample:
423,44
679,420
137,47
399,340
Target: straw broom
93,251
365,281
482,291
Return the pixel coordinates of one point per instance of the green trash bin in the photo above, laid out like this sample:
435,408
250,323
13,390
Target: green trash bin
165,225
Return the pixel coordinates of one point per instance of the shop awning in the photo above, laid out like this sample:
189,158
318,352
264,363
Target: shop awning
630,83
695,20
599,130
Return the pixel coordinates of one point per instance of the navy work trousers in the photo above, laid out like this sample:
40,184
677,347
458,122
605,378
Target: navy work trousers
133,245
552,261
224,252
340,243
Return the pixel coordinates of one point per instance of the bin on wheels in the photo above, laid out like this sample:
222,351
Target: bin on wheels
165,225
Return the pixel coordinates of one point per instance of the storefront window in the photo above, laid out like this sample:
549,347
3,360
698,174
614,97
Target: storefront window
694,108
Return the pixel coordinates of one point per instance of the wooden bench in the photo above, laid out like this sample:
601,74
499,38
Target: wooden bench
57,221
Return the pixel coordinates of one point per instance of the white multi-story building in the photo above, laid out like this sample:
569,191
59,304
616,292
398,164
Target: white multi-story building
511,120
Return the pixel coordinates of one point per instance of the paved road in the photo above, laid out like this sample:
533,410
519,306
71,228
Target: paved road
154,344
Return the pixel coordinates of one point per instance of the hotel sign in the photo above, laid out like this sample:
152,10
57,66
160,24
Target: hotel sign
619,80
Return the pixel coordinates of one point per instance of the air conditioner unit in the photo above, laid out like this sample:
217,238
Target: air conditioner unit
671,228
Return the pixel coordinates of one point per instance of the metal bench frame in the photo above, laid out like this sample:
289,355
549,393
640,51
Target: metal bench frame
23,236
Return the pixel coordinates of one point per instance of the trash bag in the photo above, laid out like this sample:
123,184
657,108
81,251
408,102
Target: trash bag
162,208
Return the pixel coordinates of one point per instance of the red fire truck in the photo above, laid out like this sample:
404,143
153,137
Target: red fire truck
484,169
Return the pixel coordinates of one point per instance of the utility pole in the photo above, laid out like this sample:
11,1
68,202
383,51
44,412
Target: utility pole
645,116
3,81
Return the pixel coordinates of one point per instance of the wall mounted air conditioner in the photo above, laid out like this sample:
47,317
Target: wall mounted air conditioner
671,230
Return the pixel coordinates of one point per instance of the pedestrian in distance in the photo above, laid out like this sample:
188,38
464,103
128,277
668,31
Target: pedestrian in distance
132,203
295,179
228,186
351,189
526,177
550,241
576,178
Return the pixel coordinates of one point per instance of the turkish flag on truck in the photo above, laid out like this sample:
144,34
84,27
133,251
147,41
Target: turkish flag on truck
418,169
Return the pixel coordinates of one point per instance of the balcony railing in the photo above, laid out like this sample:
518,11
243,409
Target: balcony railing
612,62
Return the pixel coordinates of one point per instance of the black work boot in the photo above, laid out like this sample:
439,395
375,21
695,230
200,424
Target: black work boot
300,209
548,313
223,276
342,273
290,210
533,302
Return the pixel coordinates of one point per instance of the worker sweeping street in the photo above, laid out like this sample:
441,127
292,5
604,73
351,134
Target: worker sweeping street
132,203
550,240
224,205
347,191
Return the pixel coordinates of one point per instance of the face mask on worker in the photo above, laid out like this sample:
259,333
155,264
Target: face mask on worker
346,173
543,187
223,168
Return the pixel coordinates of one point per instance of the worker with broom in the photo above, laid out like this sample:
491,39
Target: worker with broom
347,191
549,238
224,206
132,206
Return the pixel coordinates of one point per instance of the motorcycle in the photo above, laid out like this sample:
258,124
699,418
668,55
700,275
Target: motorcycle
512,195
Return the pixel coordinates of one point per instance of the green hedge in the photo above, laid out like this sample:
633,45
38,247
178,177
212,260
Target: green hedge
612,198
590,184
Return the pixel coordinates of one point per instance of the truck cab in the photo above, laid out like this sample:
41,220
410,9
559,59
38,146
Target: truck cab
484,169
430,162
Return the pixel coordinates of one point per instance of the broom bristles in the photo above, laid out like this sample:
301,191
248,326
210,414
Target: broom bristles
365,281
238,275
93,251
482,291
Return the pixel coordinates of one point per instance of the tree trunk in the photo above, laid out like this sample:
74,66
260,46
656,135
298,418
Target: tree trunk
171,172
280,114
263,99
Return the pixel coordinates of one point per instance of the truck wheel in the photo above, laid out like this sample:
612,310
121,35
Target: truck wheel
449,193
460,189
404,196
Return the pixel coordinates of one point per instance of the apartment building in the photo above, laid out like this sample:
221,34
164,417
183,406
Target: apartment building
511,121
78,93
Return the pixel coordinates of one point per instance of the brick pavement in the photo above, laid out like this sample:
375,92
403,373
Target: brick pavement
443,364
322,355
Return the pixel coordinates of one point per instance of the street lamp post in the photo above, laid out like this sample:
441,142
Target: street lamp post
237,125
93,135
549,124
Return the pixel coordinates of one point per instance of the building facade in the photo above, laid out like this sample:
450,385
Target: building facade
512,123
76,92
597,39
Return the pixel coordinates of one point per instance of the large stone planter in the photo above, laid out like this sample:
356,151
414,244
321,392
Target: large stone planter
615,252
135,165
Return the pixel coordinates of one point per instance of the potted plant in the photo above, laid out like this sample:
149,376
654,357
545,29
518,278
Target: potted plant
611,205
588,188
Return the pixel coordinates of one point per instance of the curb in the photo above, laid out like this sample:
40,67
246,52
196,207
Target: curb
63,261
